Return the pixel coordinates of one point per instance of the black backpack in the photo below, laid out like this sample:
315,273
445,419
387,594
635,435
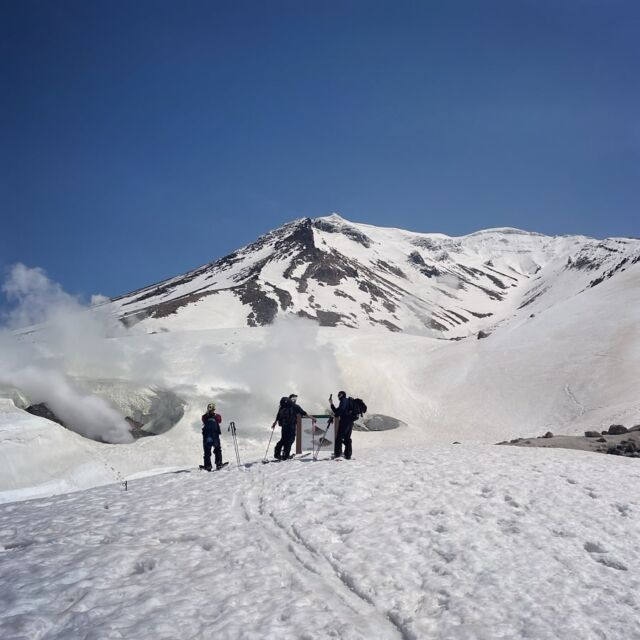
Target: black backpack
357,408
285,412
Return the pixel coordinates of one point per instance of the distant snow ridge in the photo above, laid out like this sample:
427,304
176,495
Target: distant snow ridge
340,273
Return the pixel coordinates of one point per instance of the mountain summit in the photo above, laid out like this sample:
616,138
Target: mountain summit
341,273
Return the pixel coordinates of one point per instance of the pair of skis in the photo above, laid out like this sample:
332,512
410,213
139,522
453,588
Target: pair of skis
222,466
291,457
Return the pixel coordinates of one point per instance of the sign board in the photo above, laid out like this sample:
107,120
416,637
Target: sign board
320,438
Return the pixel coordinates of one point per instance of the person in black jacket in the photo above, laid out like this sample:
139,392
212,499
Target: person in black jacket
211,436
345,426
287,418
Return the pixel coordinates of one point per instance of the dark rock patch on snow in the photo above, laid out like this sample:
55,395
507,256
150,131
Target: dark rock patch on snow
617,429
284,297
378,422
329,318
351,232
42,411
342,294
263,308
137,430
622,444
425,269
396,271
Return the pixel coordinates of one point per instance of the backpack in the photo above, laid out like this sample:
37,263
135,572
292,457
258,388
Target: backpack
356,408
285,412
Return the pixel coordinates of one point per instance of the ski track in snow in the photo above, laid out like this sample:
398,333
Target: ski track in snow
452,543
574,400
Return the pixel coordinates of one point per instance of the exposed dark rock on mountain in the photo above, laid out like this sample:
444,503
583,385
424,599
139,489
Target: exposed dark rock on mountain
620,266
378,422
263,308
43,411
137,430
627,445
347,230
344,274
617,429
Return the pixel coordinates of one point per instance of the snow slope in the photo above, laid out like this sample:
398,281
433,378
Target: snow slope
444,543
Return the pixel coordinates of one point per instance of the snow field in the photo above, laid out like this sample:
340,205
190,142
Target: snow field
448,543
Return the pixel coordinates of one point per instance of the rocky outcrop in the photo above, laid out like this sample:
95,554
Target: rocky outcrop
42,410
625,443
617,429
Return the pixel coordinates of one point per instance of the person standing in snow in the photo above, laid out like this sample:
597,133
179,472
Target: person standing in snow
287,418
345,426
211,436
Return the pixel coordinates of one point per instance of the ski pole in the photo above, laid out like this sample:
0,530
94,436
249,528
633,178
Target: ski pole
316,453
232,428
266,453
235,437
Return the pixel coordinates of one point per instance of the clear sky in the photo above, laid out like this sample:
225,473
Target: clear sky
139,139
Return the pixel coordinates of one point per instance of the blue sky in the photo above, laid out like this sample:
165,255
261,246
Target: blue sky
141,139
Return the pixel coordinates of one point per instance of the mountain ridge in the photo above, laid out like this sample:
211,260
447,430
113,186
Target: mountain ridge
340,273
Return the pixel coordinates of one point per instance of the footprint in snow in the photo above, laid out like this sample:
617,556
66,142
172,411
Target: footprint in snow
17,544
595,548
508,526
612,564
624,510
143,566
511,502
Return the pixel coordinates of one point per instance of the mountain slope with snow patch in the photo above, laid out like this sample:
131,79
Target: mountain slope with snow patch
344,274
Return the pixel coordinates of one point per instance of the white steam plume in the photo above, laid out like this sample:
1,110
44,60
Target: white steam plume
290,359
49,338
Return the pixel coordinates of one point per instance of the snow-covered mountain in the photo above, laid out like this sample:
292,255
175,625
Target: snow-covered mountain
356,275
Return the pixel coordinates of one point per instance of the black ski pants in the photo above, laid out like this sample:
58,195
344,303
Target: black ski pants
207,443
343,436
283,446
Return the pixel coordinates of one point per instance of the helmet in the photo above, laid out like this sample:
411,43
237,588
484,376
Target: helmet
342,394
211,406
293,397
